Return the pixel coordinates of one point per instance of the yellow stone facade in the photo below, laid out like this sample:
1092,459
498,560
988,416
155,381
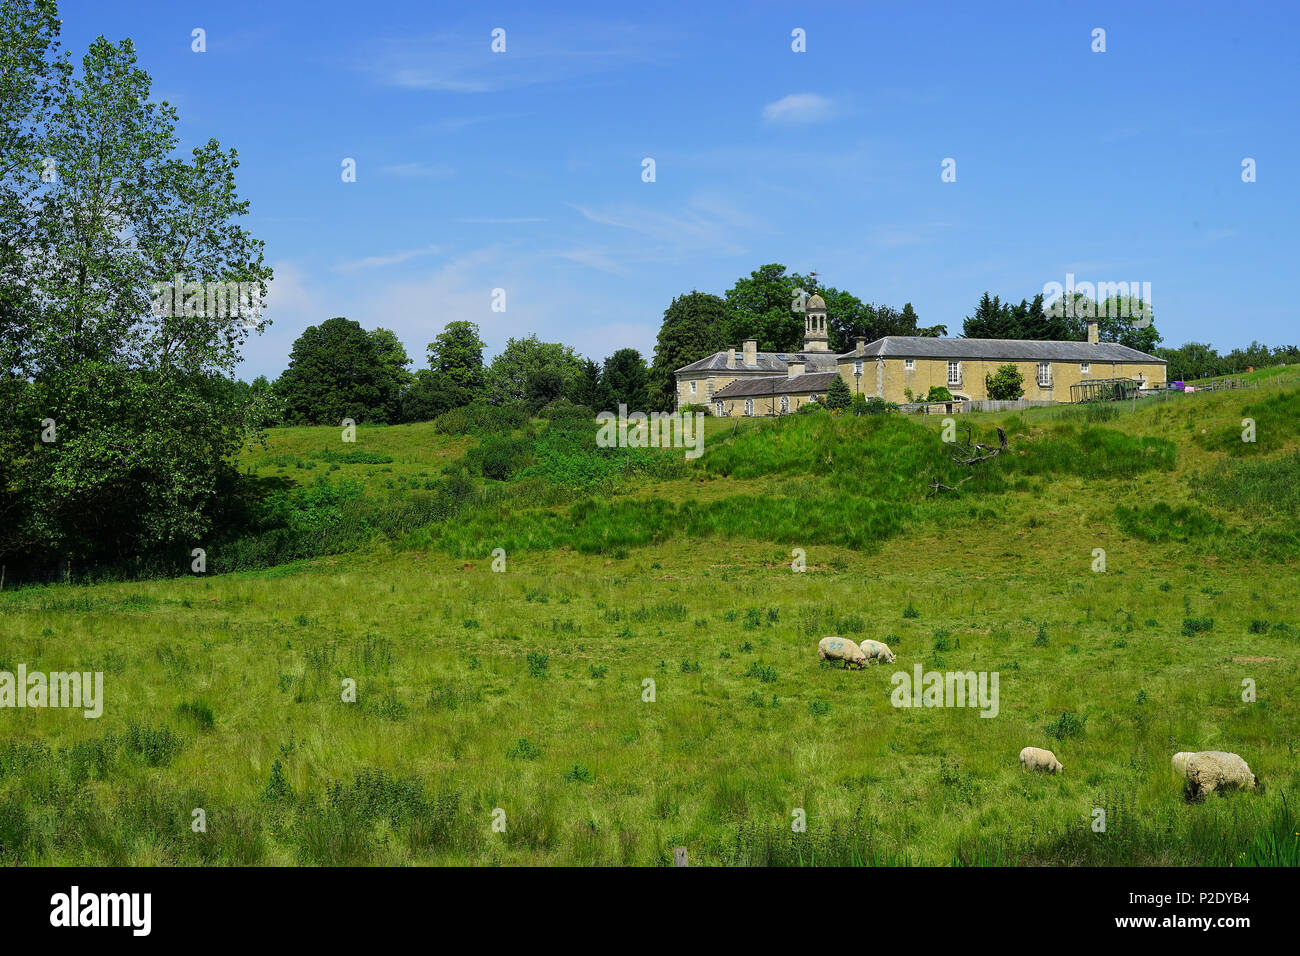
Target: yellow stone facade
891,378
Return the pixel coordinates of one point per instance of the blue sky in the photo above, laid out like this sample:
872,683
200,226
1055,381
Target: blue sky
522,170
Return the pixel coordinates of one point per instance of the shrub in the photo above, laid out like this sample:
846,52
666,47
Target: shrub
524,749
1160,522
1005,384
1068,725
938,393
838,395
538,663
480,420
578,774
766,673
277,787
500,456
877,406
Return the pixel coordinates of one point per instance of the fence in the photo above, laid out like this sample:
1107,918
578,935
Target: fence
1016,405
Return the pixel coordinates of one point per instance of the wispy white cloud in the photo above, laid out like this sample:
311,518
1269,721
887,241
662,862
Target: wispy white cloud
374,262
465,63
800,108
706,224
419,170
504,221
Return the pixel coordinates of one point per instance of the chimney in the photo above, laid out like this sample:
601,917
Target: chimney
794,369
731,357
1093,338
861,342
751,351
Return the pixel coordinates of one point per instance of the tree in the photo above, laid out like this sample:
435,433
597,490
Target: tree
397,378
1005,384
838,395
96,209
335,372
543,386
457,354
761,307
432,393
624,380
587,388
694,326
522,362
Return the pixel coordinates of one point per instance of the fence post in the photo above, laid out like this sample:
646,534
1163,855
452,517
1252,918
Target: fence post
679,856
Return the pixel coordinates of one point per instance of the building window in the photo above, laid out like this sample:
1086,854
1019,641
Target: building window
692,388
718,409
909,364
749,406
1085,368
954,373
785,404
1044,374
857,367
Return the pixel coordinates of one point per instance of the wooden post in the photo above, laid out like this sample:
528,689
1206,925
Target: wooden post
679,856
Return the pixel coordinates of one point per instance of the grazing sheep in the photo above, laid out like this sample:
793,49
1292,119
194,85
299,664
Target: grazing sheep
1214,770
1180,762
1035,758
877,651
838,649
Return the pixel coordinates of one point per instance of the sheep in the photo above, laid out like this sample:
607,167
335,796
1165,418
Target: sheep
838,649
1214,770
877,651
1035,758
1180,762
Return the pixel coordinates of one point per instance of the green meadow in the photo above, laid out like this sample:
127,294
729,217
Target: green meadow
642,672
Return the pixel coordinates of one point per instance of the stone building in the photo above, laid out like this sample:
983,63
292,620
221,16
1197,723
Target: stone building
900,368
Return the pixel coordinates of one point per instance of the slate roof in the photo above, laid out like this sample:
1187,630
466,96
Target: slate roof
776,385
768,362
1032,350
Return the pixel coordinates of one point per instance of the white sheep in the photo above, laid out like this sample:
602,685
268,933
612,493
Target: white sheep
876,651
1214,770
1035,758
838,649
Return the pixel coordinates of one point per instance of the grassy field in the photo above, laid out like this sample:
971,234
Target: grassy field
519,697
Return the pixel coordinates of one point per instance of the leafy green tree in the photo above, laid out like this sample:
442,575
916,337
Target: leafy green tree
393,360
432,393
543,386
838,395
587,388
761,307
508,377
335,372
457,354
991,320
120,421
694,326
1005,384
624,380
